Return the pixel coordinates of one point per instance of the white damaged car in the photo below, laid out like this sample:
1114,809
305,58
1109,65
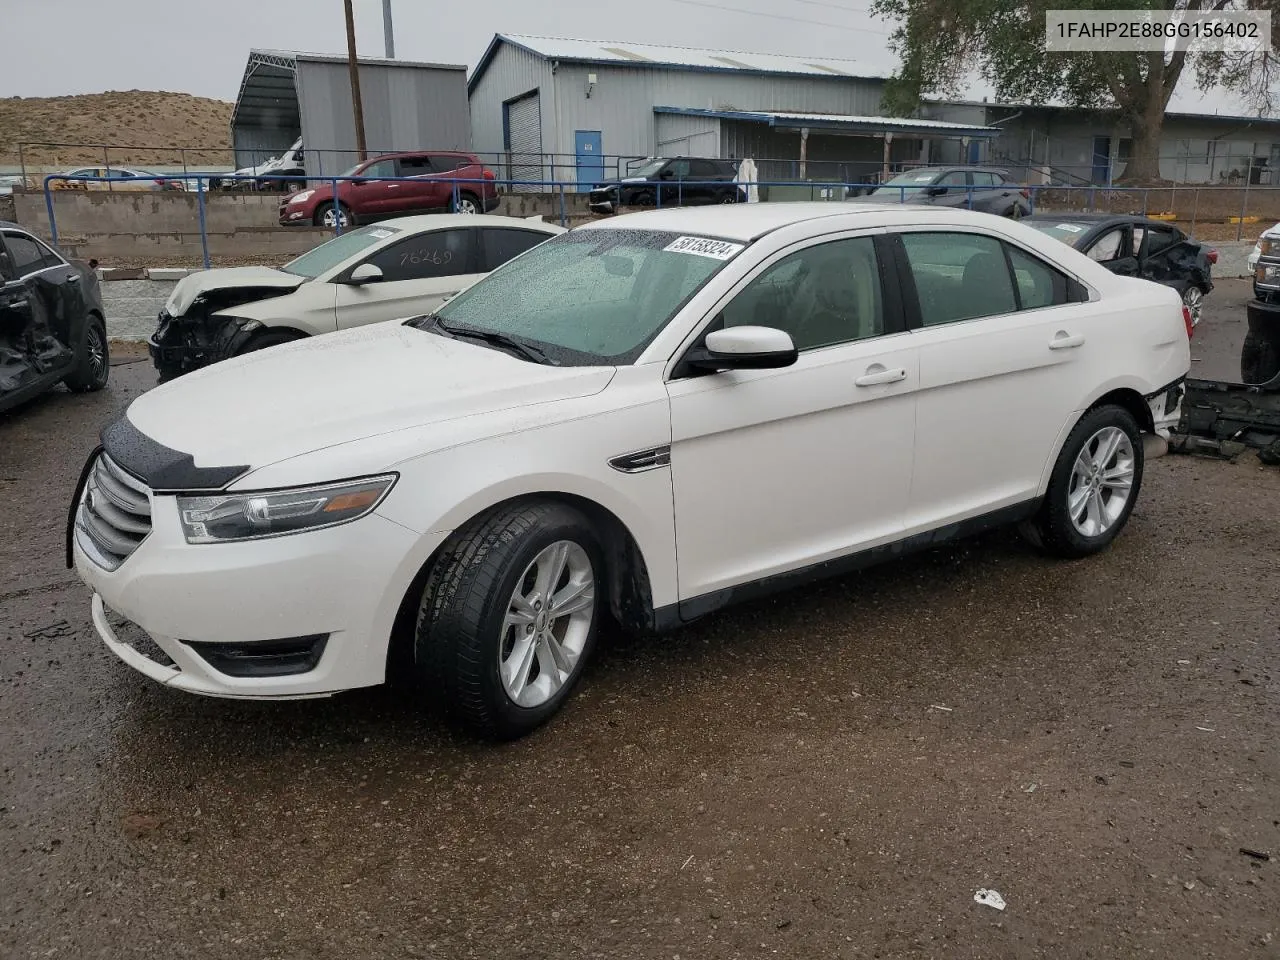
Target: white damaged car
646,419
387,271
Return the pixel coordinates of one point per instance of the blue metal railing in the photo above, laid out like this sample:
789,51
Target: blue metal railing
662,193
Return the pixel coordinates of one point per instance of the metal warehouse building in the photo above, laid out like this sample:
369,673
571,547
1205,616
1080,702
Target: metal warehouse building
569,109
407,106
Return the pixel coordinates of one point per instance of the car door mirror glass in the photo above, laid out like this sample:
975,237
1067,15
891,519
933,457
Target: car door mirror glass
745,348
365,273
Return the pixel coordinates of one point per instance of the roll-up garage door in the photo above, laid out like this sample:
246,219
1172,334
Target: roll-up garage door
524,142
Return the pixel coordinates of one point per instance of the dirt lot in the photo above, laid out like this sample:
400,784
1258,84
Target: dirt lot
832,773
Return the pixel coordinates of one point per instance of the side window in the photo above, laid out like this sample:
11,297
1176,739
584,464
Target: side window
413,166
822,295
983,179
443,164
1107,246
1160,239
503,245
955,178
1039,285
703,169
679,169
958,276
382,168
7,272
442,253
26,254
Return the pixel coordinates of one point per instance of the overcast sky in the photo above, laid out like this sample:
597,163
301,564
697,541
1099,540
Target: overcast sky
87,46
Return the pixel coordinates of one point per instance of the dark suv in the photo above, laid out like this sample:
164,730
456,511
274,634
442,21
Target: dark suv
681,181
977,188
426,186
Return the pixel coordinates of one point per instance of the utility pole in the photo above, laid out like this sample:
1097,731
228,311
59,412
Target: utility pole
388,33
356,106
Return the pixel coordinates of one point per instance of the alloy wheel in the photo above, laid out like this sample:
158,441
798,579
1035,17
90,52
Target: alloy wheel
467,206
97,354
547,624
1194,299
333,217
1101,481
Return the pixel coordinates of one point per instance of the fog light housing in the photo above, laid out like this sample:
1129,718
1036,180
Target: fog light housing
267,658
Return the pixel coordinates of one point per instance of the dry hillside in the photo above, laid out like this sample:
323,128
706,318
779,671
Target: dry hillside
142,118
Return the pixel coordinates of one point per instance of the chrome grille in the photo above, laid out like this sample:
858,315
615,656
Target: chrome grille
114,515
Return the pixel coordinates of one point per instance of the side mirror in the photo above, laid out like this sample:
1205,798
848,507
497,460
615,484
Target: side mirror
365,273
745,348
665,175
936,190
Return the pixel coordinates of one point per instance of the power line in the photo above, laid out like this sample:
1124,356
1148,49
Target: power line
834,6
778,16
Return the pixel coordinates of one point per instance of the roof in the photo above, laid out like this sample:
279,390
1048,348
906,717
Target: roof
746,221
270,78
432,221
626,53
830,121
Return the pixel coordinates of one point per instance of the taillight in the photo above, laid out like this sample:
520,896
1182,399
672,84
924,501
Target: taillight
1212,255
489,174
1186,318
1026,194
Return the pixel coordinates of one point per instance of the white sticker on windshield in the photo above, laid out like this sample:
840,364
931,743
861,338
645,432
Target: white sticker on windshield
1069,227
381,234
702,247
925,179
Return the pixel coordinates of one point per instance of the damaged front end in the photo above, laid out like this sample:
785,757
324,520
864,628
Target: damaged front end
199,334
1222,418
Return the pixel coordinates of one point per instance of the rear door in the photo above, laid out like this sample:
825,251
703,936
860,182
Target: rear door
418,274
421,191
1004,348
991,192
498,245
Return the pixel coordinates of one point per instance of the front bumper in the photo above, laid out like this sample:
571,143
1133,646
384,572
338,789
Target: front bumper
344,584
181,345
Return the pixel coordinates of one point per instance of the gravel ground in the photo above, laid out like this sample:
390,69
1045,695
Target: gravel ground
832,773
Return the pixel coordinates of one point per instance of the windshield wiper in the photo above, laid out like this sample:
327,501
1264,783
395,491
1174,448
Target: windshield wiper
526,350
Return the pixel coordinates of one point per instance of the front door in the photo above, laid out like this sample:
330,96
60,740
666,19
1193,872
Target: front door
418,274
1002,356
373,198
588,147
774,470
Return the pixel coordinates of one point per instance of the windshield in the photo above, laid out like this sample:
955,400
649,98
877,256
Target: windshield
911,180
649,168
591,297
1067,231
328,255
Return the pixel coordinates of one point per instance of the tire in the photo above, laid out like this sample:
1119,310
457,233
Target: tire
1193,299
1259,358
643,199
468,203
93,360
324,216
268,338
469,632
1062,529
1015,212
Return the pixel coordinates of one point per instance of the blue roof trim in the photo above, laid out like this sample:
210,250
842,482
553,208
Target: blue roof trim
499,39
834,124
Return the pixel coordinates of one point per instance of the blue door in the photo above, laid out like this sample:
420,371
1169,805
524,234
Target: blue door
590,158
1102,160
975,152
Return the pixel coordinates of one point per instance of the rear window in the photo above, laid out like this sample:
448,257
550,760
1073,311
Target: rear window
1068,231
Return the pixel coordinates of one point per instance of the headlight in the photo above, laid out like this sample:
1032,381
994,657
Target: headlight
302,196
274,513
1267,273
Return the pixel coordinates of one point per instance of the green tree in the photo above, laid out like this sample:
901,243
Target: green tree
941,43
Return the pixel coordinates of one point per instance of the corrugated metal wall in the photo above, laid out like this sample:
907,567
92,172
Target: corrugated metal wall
842,158
684,136
254,145
405,108
621,102
511,74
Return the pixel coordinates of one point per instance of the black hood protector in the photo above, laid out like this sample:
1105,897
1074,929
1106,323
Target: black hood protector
158,466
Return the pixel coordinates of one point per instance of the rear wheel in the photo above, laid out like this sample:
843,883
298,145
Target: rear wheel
93,365
327,216
509,617
1194,300
468,203
1093,487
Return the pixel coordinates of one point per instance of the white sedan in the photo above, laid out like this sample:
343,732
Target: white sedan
388,271
647,418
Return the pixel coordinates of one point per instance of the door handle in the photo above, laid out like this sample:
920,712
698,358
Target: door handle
1065,341
877,375
393,186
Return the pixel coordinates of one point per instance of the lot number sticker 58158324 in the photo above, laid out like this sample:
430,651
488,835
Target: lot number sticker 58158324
703,247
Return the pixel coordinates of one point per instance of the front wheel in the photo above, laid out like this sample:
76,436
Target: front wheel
1259,358
1194,300
329,216
509,617
268,338
1093,487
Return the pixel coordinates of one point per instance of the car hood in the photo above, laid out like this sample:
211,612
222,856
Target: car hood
194,285
267,406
